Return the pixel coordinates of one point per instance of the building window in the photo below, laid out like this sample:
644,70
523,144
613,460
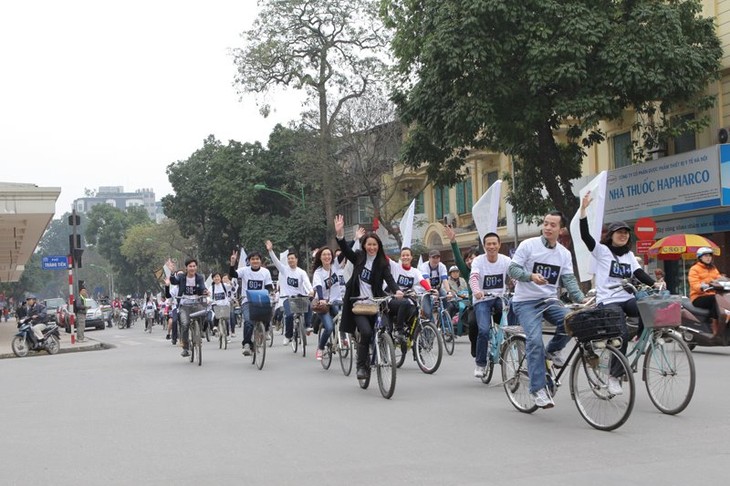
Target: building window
441,201
420,205
622,150
490,178
360,212
463,196
686,141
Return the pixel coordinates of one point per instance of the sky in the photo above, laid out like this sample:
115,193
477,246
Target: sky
107,93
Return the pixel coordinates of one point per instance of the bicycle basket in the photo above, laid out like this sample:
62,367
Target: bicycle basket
298,305
658,311
364,308
595,323
259,305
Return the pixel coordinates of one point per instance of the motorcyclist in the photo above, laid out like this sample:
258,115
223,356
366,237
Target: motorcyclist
127,305
700,292
37,313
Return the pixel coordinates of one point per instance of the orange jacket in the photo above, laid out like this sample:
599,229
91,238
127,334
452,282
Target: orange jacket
699,274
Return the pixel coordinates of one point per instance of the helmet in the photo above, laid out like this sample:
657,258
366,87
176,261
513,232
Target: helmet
31,296
704,251
453,268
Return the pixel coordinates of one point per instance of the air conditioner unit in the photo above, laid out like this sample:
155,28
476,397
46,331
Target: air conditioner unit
723,135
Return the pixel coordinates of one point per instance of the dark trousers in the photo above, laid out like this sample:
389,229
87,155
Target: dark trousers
629,309
365,325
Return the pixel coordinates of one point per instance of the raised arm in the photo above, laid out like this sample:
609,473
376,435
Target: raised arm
274,258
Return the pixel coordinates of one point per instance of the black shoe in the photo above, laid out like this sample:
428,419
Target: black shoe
363,373
185,353
167,337
174,342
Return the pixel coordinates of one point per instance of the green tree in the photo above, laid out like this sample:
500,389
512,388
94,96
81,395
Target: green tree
331,49
508,76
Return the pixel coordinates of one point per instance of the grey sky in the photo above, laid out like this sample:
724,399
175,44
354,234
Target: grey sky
100,93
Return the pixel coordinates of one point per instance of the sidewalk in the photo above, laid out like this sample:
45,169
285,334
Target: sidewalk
10,328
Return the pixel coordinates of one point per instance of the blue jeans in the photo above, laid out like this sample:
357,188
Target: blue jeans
247,325
530,315
483,312
328,324
289,320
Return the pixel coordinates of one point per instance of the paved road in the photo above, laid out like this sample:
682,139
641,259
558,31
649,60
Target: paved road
140,414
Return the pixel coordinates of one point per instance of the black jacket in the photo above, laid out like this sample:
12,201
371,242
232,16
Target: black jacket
380,273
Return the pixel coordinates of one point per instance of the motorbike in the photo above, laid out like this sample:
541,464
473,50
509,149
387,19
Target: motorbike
26,340
696,327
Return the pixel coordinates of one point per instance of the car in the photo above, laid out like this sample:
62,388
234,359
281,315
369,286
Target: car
52,306
94,316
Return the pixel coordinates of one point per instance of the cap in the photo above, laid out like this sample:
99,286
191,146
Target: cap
617,226
30,296
453,268
434,253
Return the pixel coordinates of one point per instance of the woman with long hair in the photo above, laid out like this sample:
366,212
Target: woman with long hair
326,289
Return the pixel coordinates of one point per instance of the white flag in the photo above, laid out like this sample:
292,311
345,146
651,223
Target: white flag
209,281
486,210
594,213
406,225
242,258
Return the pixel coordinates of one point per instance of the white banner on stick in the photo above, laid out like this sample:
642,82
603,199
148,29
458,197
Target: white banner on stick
406,225
594,213
486,210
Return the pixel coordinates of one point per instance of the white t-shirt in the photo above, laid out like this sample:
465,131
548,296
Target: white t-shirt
330,283
434,275
610,270
551,263
189,290
366,289
173,294
221,293
492,276
407,279
253,280
292,281
340,272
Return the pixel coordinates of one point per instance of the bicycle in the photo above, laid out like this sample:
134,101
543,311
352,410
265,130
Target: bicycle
496,338
298,306
381,350
590,361
338,343
422,337
224,312
195,339
444,325
668,370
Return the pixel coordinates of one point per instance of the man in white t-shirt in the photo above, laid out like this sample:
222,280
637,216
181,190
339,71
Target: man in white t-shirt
488,281
435,272
253,277
540,266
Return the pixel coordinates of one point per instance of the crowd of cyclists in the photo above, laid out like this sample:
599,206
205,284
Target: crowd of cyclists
473,290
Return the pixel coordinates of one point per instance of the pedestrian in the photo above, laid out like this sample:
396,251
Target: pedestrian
80,312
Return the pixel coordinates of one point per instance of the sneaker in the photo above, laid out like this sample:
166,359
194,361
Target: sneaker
363,373
480,371
185,353
309,330
228,340
542,399
614,386
556,358
286,341
167,337
174,342
233,334
247,349
318,355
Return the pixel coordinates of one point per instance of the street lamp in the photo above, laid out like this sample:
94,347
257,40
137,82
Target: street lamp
109,276
293,198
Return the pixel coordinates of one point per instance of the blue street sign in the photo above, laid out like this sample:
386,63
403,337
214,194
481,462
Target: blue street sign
59,262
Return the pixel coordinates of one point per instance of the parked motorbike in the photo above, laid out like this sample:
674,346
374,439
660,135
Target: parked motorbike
696,328
26,340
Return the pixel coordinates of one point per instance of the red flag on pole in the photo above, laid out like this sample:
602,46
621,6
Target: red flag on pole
376,224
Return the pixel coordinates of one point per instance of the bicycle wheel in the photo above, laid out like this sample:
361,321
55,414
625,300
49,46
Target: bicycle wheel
447,331
259,345
385,365
198,343
669,373
191,343
328,350
295,335
345,352
514,374
428,347
270,336
589,388
303,336
489,369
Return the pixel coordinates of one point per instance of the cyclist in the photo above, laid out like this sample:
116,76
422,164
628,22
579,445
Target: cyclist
464,263
220,292
539,266
700,275
458,288
371,271
488,276
407,278
293,282
614,262
327,288
189,283
253,277
435,272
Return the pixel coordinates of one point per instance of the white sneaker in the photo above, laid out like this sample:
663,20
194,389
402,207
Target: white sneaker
614,386
542,399
480,371
556,358
286,341
247,349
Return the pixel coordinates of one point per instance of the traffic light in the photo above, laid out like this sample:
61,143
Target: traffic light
75,249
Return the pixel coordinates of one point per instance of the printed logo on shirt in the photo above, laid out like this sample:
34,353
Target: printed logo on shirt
405,282
619,270
549,272
219,296
255,285
342,280
329,281
292,282
365,275
189,290
493,282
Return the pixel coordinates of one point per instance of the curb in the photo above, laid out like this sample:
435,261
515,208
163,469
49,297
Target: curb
97,346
